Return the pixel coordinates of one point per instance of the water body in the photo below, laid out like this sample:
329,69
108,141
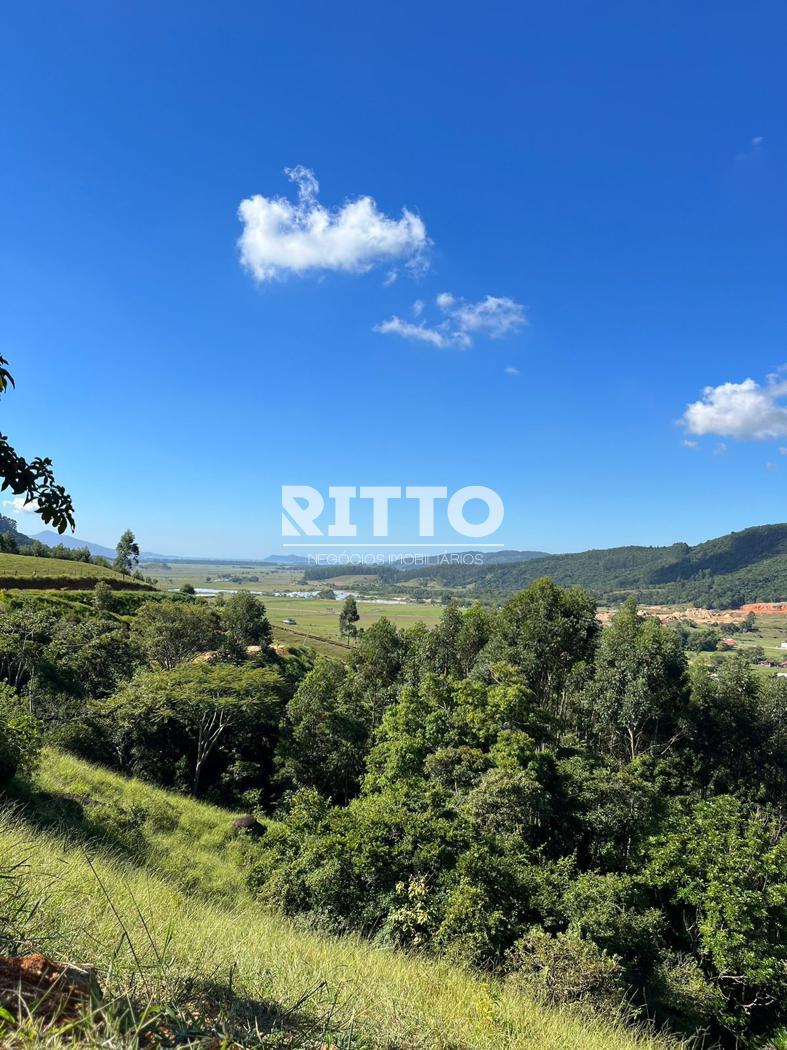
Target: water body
211,592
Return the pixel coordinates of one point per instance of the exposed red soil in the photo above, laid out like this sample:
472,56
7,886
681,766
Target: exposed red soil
765,608
33,984
706,617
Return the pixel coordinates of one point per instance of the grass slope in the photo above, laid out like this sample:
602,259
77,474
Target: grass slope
292,637
189,842
20,570
150,939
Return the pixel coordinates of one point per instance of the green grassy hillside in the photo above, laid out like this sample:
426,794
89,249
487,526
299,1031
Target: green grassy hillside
189,842
213,962
24,571
747,566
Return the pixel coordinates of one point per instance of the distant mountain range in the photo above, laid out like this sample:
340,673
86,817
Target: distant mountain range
53,539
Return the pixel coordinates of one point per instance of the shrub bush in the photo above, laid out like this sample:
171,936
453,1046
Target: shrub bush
566,969
20,735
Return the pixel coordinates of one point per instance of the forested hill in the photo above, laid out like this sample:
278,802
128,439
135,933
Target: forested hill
740,567
9,528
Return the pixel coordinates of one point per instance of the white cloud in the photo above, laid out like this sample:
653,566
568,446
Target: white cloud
748,411
690,444
495,317
408,330
17,505
281,236
511,371
720,449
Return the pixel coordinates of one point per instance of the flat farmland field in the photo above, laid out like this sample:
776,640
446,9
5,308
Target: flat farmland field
315,618
320,616
230,576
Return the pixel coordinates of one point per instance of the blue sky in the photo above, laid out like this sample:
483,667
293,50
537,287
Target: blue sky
612,173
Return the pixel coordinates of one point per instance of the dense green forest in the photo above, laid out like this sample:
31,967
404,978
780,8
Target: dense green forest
569,809
747,566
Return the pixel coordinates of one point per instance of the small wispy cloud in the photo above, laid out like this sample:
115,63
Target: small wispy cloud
282,237
687,443
511,371
751,158
495,317
408,330
720,449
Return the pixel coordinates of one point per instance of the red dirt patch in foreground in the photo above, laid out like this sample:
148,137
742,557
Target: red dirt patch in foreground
32,984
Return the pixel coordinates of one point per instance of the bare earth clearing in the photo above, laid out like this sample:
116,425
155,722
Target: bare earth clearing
706,617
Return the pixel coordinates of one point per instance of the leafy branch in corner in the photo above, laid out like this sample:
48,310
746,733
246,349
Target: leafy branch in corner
35,480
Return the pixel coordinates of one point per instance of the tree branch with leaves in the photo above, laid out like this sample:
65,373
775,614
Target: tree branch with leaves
35,480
